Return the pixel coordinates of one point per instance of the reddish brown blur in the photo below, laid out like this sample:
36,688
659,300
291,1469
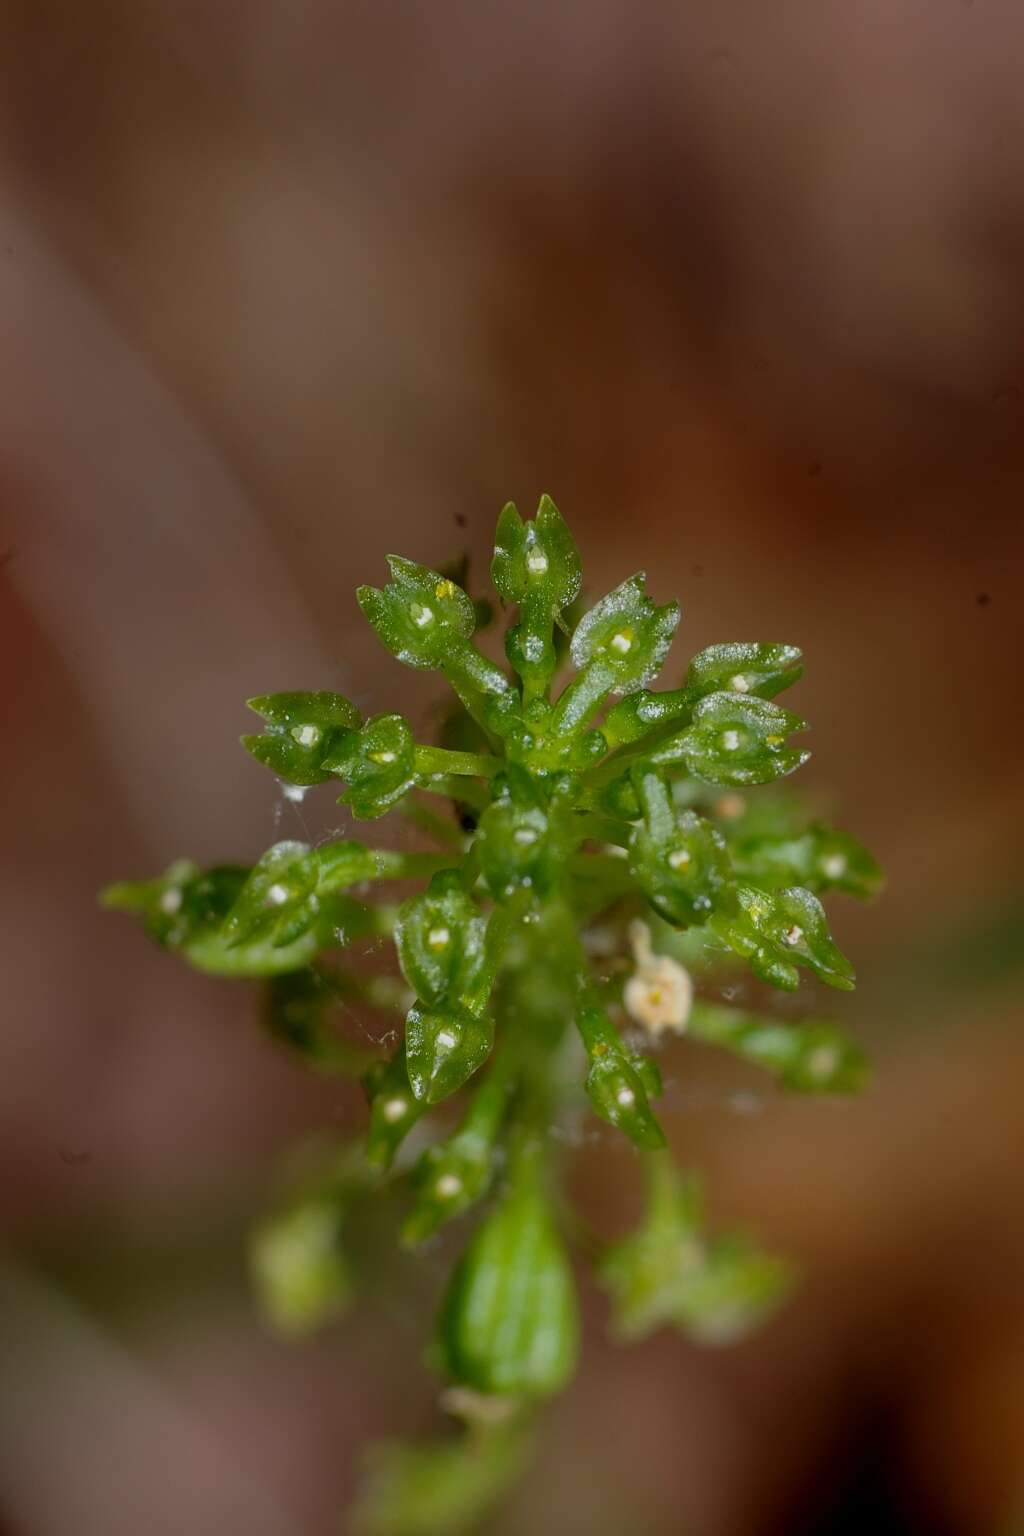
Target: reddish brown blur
287,286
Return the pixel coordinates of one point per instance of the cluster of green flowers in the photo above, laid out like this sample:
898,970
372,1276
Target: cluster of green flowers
569,826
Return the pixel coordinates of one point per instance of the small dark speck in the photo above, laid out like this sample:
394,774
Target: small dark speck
8,250
983,599
460,519
1007,394
815,470
7,555
75,1159
721,57
697,570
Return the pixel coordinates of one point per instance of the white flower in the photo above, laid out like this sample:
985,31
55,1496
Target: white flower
659,993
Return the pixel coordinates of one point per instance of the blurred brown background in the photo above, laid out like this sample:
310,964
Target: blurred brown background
287,286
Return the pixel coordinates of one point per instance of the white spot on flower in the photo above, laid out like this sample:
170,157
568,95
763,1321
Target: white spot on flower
448,1186
438,938
625,1097
834,865
447,1039
739,684
170,901
394,1109
793,935
621,642
524,836
679,858
822,1063
306,735
296,793
277,895
659,994
536,562
421,615
730,740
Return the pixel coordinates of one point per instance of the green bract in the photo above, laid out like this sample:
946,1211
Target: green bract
581,867
619,1082
820,859
302,731
669,1272
735,740
508,1323
444,1046
679,860
420,614
763,670
300,1267
776,931
439,937
537,565
378,764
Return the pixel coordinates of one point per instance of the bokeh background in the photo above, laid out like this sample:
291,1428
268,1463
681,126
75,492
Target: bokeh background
285,286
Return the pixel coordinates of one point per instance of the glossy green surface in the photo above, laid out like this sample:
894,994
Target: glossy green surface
583,825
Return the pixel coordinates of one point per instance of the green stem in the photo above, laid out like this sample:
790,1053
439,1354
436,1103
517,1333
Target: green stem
657,804
501,925
433,762
391,865
489,1103
437,827
479,683
465,790
581,698
602,829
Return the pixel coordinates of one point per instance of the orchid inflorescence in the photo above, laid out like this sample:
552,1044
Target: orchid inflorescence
595,868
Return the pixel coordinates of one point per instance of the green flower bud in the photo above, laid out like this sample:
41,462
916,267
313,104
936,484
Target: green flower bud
440,940
185,910
744,668
670,1273
448,1486
806,1058
537,565
618,647
394,1109
302,730
679,859
420,616
516,842
448,1179
299,1268
444,1047
638,714
180,904
820,859
618,1083
777,931
508,1322
378,765
536,557
735,740
627,634
282,884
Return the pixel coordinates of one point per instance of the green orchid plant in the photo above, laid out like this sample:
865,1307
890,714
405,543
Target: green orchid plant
587,870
